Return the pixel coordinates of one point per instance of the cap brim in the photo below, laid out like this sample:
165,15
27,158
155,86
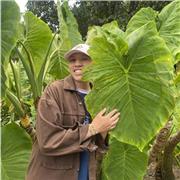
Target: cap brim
70,53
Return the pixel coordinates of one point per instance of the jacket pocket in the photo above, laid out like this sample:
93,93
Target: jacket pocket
58,162
70,120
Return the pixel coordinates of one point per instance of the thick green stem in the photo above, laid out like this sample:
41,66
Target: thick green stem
15,80
29,74
43,70
16,103
29,59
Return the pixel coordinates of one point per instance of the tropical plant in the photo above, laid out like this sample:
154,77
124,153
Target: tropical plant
31,50
133,71
89,13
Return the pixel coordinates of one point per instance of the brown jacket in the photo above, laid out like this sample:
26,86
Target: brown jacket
61,135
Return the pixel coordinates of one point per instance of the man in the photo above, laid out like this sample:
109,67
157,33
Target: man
68,142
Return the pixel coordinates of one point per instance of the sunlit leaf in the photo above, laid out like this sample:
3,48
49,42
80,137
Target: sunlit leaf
124,162
136,80
16,148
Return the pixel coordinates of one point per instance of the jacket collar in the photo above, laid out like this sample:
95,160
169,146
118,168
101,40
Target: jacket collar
70,85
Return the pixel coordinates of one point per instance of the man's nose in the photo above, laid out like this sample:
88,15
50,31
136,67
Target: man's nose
78,63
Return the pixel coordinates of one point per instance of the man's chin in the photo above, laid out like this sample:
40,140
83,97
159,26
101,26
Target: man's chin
78,79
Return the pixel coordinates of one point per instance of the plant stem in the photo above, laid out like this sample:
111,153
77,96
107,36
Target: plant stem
31,78
42,73
167,162
160,142
15,80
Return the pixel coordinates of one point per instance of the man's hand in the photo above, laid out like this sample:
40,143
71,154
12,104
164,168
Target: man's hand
103,123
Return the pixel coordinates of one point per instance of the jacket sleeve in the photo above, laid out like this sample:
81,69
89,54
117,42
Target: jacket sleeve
53,139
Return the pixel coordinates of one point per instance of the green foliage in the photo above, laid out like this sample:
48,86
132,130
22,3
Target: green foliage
69,36
124,162
167,22
37,39
135,66
10,16
169,27
134,75
16,148
89,13
46,11
27,63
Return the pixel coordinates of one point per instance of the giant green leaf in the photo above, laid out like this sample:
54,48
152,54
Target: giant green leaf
169,27
176,113
167,23
16,148
124,162
137,80
37,39
142,17
69,37
58,67
10,17
73,33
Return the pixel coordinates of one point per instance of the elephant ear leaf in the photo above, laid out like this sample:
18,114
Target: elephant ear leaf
69,36
177,105
136,81
167,24
142,17
169,27
37,39
15,152
124,162
10,15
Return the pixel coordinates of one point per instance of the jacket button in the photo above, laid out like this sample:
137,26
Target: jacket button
80,103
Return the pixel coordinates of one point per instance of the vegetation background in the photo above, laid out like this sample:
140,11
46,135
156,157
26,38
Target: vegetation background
35,47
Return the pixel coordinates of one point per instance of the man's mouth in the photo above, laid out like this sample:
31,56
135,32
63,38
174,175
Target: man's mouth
78,70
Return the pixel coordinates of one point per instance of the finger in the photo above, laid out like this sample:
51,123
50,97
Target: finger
114,117
115,122
110,114
101,113
112,127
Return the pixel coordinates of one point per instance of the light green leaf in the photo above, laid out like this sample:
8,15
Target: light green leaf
138,83
10,16
112,29
169,27
142,17
58,67
73,33
16,148
69,37
37,39
176,113
124,162
167,23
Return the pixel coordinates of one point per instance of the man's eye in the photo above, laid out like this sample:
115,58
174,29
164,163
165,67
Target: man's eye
72,60
85,58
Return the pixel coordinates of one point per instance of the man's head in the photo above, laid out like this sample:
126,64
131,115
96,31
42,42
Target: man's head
77,58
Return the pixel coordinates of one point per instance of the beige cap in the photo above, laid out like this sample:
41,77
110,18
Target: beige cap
80,48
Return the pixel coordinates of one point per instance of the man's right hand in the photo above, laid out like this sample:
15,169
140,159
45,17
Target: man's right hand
105,122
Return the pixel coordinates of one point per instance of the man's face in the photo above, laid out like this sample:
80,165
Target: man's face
77,62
